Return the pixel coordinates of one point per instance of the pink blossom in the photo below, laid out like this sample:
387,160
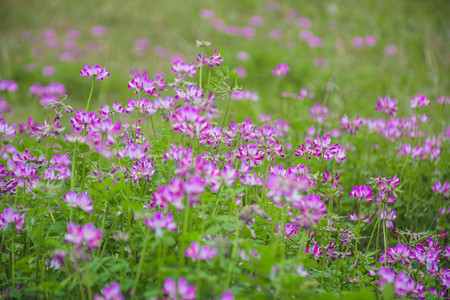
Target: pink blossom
281,70
111,292
95,71
10,216
81,236
204,252
158,221
180,289
81,200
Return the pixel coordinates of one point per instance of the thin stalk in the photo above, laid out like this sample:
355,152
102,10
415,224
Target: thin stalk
12,259
201,69
226,111
153,128
72,181
141,262
137,118
90,96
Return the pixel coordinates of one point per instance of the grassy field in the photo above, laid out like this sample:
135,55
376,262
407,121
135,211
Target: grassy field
204,196
418,29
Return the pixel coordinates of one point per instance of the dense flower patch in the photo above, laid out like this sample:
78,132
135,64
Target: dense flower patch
167,196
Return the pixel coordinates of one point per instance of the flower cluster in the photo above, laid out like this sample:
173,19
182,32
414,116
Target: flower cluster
94,71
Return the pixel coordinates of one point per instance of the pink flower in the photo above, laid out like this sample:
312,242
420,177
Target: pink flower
419,101
363,191
207,14
387,105
390,50
318,113
86,235
182,289
196,252
95,71
281,70
10,216
111,292
159,221
192,95
98,31
142,84
81,200
227,295
370,40
10,86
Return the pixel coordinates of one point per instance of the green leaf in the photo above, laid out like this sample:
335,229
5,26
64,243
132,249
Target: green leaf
84,148
388,292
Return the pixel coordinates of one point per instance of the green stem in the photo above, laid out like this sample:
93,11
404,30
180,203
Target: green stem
141,262
153,128
72,181
137,118
226,111
12,259
90,95
201,69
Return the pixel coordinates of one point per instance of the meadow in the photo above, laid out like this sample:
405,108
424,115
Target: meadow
224,150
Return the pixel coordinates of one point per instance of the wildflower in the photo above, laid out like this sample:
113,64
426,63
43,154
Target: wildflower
180,289
25,174
57,261
315,250
159,221
387,105
227,295
312,209
111,292
81,236
10,216
81,200
192,95
142,84
10,86
318,112
355,217
419,101
196,252
363,191
301,271
95,71
281,70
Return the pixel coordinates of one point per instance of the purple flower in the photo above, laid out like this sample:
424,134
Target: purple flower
111,292
10,216
196,252
192,95
182,289
81,200
159,221
318,113
86,235
363,191
312,209
387,105
419,101
10,86
95,71
281,70
227,295
142,84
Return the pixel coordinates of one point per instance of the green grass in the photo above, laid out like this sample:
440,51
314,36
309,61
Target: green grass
419,29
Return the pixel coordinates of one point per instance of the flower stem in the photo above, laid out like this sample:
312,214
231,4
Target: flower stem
153,128
90,96
141,262
226,111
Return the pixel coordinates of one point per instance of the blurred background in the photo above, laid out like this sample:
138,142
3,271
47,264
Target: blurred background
360,50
